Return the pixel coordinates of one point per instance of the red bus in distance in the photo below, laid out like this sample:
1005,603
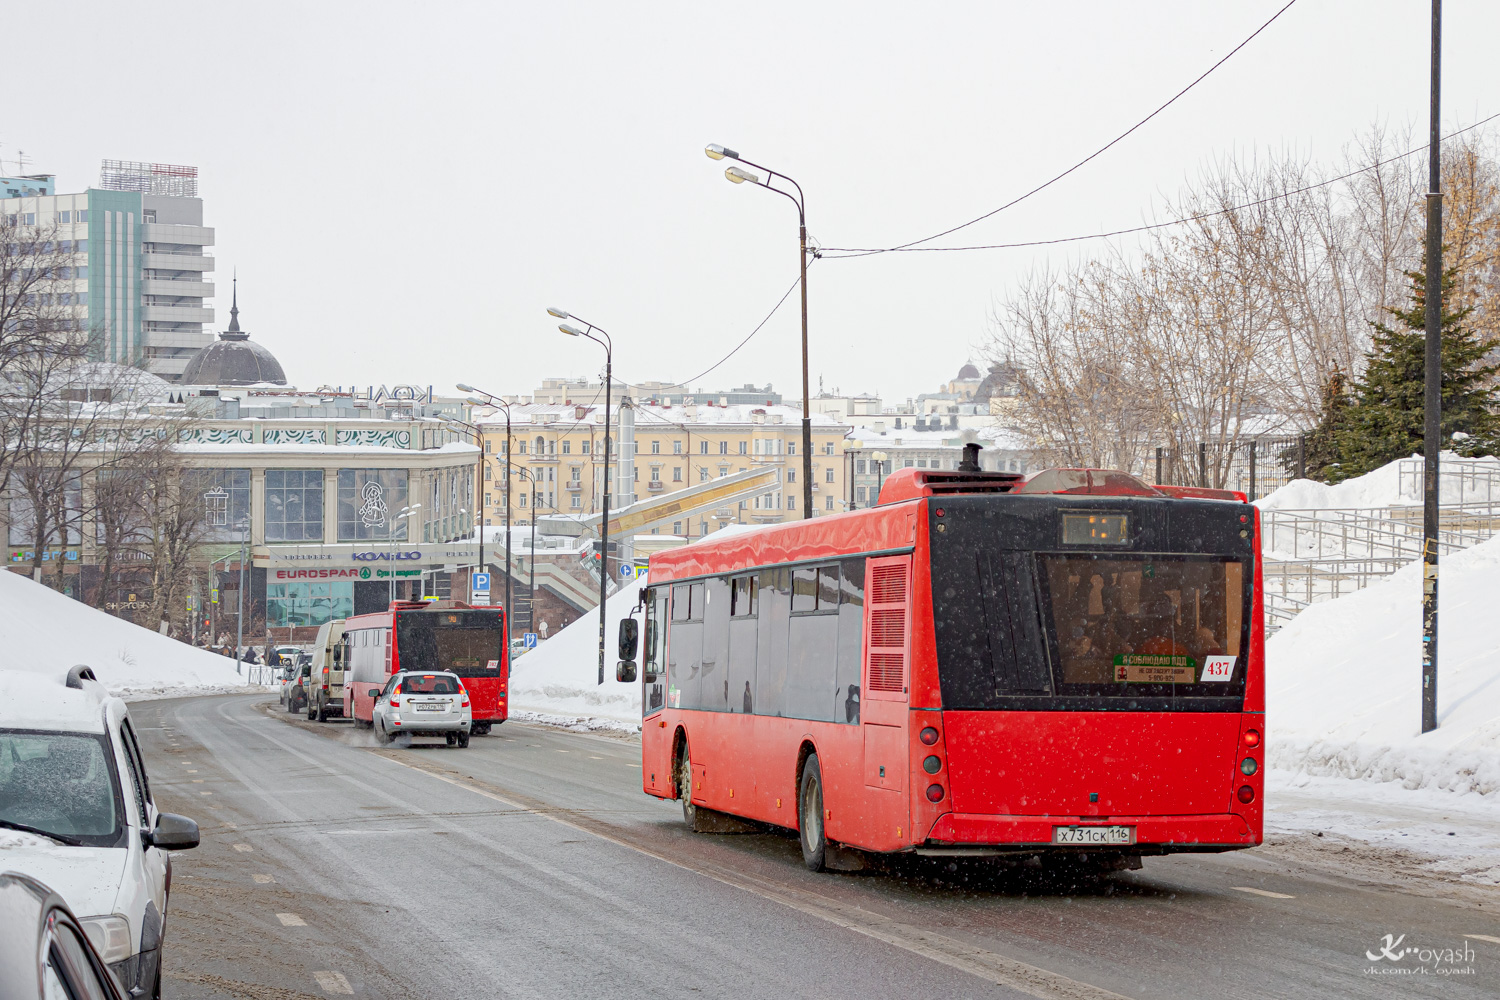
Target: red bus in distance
1068,666
429,636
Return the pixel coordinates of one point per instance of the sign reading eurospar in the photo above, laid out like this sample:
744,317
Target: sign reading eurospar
363,573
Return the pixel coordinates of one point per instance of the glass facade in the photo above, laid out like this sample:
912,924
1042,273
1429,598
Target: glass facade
308,602
369,501
226,502
294,505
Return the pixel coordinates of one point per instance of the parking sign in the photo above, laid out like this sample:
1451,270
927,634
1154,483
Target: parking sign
479,581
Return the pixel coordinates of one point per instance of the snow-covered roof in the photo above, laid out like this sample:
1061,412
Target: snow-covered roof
648,414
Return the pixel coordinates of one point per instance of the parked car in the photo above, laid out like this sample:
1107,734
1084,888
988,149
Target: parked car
45,952
289,654
325,685
72,777
423,704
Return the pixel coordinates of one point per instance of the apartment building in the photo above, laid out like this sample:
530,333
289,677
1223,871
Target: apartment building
557,462
140,277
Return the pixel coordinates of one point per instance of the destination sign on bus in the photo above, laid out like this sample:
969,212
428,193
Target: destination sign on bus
1152,668
1095,529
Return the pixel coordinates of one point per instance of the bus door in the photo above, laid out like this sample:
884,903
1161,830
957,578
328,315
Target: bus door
656,739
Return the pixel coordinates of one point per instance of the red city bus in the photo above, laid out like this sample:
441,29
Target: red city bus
1068,666
429,635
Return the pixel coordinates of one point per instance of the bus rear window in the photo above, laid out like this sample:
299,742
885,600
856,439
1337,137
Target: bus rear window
1131,625
472,648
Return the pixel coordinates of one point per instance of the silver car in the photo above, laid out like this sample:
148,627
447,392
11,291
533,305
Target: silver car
423,703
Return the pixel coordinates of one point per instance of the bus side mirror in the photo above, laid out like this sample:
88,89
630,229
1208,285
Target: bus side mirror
629,637
375,693
625,671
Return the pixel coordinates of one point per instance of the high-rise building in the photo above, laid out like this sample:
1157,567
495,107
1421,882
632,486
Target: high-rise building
140,282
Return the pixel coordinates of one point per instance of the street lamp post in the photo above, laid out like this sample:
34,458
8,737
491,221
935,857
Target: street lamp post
609,372
527,475
850,447
405,512
501,404
738,176
239,617
479,492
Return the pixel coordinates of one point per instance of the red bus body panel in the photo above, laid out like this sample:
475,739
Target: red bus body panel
1008,777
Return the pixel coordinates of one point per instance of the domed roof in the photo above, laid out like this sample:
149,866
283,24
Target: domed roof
968,373
232,359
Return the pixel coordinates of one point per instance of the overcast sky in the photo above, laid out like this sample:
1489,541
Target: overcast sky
405,187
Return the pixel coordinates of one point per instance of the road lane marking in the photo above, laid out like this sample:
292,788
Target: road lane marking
291,920
973,959
192,770
563,751
1261,892
333,982
243,848
1484,937
263,879
197,781
205,793
592,757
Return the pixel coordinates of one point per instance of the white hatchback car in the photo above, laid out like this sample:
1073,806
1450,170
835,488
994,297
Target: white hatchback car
76,813
423,704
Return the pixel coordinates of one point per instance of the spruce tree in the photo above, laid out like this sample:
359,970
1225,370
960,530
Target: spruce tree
1384,420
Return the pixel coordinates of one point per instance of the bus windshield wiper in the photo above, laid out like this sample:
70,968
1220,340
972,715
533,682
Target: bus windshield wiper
61,838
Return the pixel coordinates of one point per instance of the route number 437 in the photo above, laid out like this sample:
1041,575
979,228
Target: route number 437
1217,668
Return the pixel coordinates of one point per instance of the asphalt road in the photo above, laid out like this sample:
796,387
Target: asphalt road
531,865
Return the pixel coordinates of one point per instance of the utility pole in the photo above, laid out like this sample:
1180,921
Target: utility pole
1432,444
239,618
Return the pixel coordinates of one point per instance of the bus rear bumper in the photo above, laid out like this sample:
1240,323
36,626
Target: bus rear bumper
1153,834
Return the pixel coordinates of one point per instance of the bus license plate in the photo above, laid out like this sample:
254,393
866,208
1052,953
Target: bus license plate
1093,835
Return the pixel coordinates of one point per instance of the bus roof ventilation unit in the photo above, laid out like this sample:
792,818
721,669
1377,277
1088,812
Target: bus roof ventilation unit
909,484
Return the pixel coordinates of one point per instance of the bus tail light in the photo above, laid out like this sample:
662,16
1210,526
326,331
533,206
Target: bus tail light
1248,766
933,764
1252,737
1246,794
929,736
934,793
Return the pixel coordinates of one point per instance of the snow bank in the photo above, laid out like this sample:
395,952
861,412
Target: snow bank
1344,683
559,680
43,630
1379,488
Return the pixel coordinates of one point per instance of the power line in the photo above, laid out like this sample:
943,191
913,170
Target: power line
779,303
1102,149
847,253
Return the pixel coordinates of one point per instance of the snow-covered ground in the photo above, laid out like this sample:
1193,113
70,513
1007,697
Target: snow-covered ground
558,682
1379,488
41,629
1343,716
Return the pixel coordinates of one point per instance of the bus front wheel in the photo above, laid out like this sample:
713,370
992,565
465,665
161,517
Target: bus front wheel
685,786
810,815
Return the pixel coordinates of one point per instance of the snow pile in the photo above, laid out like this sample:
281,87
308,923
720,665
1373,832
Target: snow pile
559,680
43,630
1378,488
1344,683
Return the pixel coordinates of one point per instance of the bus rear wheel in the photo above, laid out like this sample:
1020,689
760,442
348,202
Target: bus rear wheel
684,769
810,815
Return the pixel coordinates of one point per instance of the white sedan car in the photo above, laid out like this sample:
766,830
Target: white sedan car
423,704
76,813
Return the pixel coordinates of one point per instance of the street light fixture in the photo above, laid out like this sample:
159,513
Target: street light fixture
737,176
879,458
609,377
